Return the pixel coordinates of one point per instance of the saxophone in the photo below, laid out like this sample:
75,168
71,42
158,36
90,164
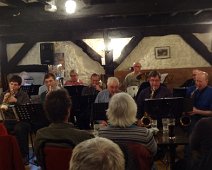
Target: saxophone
185,119
146,119
5,102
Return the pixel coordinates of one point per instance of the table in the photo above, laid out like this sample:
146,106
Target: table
181,138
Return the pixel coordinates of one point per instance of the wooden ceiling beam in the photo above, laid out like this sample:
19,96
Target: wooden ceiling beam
198,46
88,50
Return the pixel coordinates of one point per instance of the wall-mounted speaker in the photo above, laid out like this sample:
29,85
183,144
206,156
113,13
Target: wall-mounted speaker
47,53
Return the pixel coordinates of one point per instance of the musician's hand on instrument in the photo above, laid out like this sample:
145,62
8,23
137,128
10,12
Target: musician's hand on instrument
98,88
6,96
194,112
12,99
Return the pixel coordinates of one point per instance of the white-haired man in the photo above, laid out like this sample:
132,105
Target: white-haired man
121,115
112,88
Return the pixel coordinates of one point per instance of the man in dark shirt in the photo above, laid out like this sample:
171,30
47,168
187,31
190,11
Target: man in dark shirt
94,88
14,95
191,82
154,91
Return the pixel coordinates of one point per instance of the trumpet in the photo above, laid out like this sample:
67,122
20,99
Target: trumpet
7,96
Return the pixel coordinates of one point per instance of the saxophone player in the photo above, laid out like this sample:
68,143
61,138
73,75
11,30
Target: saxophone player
201,94
154,91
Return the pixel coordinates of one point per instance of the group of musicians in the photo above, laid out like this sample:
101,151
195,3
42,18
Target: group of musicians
200,92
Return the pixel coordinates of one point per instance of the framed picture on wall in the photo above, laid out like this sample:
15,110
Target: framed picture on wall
162,52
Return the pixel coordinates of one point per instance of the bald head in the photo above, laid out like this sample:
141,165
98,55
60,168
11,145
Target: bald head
137,67
201,80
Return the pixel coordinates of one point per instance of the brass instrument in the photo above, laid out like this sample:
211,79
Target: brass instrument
185,119
146,119
5,102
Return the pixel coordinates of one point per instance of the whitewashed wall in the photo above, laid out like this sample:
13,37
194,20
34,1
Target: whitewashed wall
181,54
75,58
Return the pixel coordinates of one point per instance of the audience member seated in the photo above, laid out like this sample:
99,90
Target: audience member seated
94,88
10,155
97,154
191,82
131,78
58,105
50,84
201,145
14,95
74,81
122,128
112,88
154,91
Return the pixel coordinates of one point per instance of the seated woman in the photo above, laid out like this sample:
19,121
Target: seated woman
121,115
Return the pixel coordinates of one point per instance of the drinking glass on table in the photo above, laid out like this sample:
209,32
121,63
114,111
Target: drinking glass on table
165,122
171,127
154,123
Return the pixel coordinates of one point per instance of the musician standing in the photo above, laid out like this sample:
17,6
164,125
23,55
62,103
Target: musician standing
154,91
132,78
201,94
14,95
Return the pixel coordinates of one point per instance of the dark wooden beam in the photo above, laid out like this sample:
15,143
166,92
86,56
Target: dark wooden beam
4,65
88,50
30,68
198,46
128,49
20,55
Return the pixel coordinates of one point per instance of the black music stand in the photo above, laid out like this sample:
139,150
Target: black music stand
99,111
32,113
85,117
74,90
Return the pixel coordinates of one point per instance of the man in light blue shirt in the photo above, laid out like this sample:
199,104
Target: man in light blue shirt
112,88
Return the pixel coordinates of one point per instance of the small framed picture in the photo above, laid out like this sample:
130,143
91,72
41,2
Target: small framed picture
162,52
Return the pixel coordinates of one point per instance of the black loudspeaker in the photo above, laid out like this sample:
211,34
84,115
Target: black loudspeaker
47,53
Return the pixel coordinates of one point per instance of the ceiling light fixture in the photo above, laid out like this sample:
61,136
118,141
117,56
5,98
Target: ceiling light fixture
70,6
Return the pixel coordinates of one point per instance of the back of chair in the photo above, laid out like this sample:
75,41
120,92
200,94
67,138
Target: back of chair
137,156
56,155
10,155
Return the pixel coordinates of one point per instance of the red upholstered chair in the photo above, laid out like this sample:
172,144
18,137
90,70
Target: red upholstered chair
3,130
137,156
10,155
55,156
